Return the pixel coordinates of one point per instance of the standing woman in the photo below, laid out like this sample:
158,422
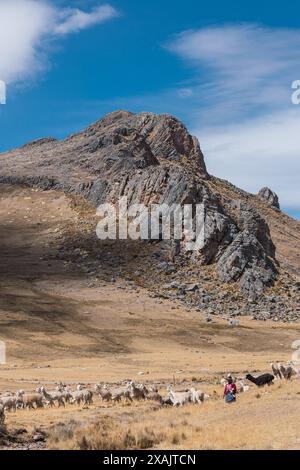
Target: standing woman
230,390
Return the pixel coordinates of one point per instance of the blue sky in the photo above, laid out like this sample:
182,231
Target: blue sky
224,68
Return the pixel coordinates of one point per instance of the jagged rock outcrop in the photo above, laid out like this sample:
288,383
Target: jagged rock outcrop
245,260
250,258
151,159
270,197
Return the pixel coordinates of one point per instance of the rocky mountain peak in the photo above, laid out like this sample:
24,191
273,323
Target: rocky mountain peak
163,135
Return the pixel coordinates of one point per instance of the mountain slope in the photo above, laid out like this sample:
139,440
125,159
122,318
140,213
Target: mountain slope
153,159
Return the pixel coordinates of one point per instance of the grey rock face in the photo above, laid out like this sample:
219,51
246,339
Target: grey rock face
270,197
151,159
246,261
169,139
219,231
250,258
251,221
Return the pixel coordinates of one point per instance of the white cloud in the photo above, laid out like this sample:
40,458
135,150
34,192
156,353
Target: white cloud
240,69
74,20
22,26
27,27
242,111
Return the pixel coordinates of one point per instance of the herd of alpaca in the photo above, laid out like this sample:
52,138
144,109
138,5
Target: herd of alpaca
130,391
62,395
286,372
280,372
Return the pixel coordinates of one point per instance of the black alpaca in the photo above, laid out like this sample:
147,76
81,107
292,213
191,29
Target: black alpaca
262,380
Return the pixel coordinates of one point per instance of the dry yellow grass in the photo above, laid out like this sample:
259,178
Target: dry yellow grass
265,420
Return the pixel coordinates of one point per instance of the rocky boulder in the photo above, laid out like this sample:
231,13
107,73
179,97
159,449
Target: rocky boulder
270,197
